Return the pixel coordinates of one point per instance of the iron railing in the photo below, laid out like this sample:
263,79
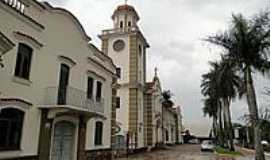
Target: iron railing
16,4
119,30
70,96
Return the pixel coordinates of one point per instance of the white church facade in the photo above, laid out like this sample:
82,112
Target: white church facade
126,45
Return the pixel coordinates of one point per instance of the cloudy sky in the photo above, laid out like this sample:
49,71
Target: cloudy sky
174,29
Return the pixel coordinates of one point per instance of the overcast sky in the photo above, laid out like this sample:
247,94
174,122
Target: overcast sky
174,29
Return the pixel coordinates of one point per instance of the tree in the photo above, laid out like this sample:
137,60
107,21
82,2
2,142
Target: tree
210,108
230,85
167,102
210,89
247,43
227,84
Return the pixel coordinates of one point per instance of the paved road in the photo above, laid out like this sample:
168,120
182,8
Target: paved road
184,152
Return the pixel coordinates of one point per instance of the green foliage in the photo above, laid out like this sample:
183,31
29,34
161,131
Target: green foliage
221,150
167,102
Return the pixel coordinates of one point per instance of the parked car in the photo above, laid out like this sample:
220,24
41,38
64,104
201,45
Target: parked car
193,141
207,146
264,143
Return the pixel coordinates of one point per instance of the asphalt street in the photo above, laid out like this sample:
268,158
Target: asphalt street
185,152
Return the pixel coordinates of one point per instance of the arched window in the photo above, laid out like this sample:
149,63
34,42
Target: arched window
11,122
23,63
98,133
129,23
121,24
167,135
140,50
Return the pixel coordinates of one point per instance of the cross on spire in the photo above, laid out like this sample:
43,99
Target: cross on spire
156,70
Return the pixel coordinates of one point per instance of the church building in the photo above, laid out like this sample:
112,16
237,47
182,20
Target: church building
126,45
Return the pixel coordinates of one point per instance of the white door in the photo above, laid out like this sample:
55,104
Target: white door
63,141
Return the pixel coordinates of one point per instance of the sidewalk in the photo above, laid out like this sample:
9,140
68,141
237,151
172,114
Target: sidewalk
251,151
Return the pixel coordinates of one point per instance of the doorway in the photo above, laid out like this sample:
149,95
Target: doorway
63,141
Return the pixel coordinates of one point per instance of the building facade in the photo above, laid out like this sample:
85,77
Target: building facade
126,45
163,125
57,89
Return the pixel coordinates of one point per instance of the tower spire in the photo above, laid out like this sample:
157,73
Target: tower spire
126,1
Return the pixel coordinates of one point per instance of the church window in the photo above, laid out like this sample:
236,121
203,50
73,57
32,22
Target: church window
118,72
121,24
140,50
118,100
129,24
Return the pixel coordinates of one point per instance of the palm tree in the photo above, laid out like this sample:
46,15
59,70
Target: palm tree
247,43
230,85
210,89
225,86
210,108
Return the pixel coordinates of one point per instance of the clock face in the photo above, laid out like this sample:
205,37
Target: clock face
119,45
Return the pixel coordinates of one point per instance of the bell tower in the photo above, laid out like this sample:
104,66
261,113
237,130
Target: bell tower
126,46
125,16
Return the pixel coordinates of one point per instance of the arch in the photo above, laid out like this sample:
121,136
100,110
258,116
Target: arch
25,37
15,103
66,60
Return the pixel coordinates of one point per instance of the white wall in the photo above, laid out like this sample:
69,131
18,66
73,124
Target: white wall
61,37
120,59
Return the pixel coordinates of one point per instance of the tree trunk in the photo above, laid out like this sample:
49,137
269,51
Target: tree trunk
228,122
220,126
253,110
225,123
215,127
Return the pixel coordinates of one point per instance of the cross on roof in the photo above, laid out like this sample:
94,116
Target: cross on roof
156,70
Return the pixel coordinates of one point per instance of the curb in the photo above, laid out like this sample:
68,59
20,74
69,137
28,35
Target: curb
252,151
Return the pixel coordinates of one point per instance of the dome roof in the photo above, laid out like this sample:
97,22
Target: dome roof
125,8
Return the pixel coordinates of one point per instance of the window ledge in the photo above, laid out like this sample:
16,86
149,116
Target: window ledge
10,150
99,145
21,81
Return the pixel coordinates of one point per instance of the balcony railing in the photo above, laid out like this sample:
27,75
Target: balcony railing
119,30
16,4
73,97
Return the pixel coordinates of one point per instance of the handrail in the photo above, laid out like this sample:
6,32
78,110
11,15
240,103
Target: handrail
16,4
72,97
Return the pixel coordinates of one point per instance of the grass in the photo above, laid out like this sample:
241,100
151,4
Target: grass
224,151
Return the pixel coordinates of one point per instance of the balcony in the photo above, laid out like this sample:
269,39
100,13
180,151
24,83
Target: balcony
72,98
16,4
119,30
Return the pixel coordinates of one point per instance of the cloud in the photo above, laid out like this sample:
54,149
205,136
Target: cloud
175,29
